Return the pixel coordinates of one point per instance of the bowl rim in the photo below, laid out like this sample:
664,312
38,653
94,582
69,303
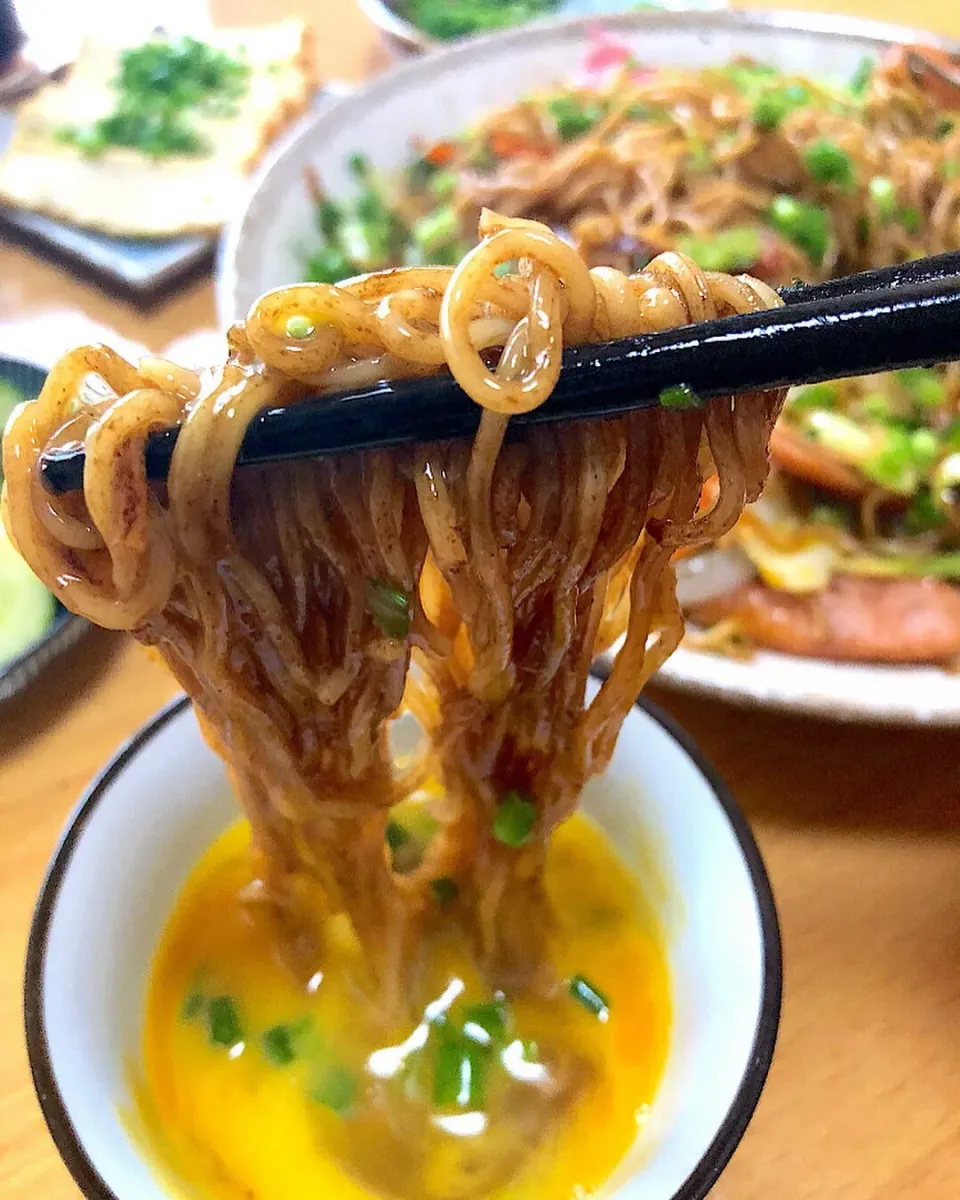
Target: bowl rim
715,1158
418,68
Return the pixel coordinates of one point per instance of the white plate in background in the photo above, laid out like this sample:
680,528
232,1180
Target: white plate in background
443,94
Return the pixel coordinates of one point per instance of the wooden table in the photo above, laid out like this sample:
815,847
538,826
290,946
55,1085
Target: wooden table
860,829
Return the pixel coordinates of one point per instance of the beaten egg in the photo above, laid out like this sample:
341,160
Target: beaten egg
256,1086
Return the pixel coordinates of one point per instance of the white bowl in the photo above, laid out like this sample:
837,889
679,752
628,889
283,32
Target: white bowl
136,835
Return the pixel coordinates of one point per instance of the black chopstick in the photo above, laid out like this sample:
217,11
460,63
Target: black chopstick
914,321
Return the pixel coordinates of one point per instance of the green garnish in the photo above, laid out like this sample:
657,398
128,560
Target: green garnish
443,185
486,1024
950,169
572,117
923,513
329,264
592,999
299,326
828,163
773,105
329,217
910,219
806,225
192,1006
419,173
514,819
223,1022
395,835
924,387
894,464
861,77
436,229
817,395
389,608
884,197
943,128
445,890
827,514
277,1045
876,406
729,250
162,84
459,1073
680,395
449,19
506,268
358,165
336,1089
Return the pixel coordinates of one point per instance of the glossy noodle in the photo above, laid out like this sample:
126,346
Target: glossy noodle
289,600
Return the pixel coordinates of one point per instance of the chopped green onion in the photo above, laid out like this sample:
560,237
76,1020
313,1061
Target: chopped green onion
817,395
329,218
944,128
572,118
486,1024
299,326
395,835
419,173
925,446
445,890
359,165
910,219
924,387
277,1045
514,820
828,163
329,265
443,185
592,999
893,465
806,225
681,395
223,1022
876,406
336,1089
923,513
436,229
459,1073
950,169
772,106
370,208
729,250
861,77
389,607
506,268
192,1006
863,229
699,157
483,159
884,197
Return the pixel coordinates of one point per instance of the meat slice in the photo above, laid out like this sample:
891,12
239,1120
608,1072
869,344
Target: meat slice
855,619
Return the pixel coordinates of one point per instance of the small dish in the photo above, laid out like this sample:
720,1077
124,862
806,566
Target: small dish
132,842
65,629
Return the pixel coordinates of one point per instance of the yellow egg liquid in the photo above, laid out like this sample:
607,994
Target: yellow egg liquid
258,1088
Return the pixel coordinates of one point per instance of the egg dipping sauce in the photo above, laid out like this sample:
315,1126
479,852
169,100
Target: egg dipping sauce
259,1085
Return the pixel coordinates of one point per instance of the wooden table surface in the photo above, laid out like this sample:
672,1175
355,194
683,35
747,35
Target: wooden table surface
860,827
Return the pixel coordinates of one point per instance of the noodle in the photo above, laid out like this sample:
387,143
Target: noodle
289,599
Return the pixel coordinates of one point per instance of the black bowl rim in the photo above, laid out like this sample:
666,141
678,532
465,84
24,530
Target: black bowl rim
697,1185
65,628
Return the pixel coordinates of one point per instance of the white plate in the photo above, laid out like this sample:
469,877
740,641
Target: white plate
136,836
445,93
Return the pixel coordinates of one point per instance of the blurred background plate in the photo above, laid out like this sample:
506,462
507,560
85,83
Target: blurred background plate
63,629
140,269
403,34
445,93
